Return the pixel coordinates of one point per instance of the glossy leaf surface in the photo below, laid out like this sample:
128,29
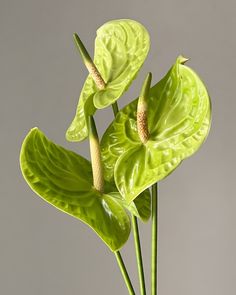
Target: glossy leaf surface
121,47
140,207
64,179
179,114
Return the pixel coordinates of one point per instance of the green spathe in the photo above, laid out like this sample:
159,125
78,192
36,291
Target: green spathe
64,179
121,47
179,114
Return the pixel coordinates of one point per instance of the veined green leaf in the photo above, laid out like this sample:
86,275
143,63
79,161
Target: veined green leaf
179,114
140,207
121,47
64,179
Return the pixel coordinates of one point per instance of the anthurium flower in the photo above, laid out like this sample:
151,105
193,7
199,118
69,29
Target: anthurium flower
178,121
121,47
65,180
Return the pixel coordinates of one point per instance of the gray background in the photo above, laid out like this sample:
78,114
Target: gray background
43,251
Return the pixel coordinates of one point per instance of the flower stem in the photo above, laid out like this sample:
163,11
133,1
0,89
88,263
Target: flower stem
115,108
136,235
154,238
124,273
139,255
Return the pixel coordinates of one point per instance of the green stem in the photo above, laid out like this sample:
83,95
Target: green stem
154,238
139,255
136,235
124,273
115,108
